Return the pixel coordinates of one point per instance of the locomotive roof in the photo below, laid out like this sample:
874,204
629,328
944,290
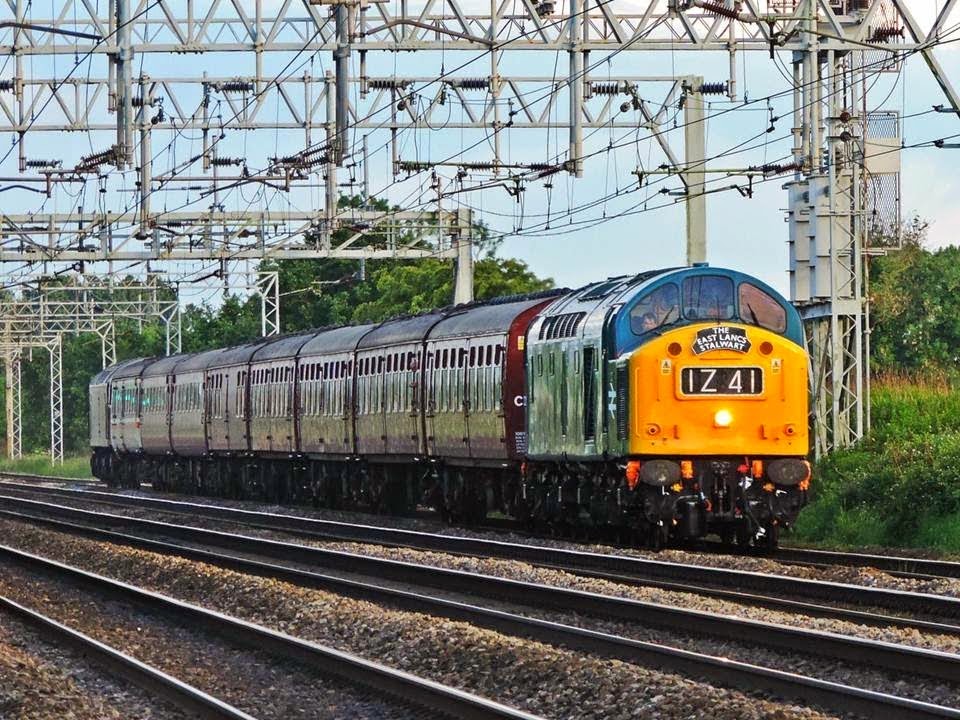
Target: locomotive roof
337,340
396,332
483,319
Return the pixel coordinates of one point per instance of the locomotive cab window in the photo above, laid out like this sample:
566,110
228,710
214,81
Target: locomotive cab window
708,297
759,308
656,309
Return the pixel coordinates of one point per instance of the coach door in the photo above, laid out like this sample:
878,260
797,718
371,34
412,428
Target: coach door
446,409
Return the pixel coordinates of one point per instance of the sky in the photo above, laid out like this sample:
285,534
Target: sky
635,228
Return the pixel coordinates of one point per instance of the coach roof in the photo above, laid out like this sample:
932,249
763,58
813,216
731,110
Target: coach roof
166,365
484,319
107,374
338,340
283,347
398,332
133,368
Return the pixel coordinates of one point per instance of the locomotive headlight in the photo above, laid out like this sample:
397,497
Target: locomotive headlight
722,418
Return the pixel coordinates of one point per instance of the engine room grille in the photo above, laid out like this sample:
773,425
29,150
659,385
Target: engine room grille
561,326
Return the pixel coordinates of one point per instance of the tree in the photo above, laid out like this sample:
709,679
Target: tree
915,305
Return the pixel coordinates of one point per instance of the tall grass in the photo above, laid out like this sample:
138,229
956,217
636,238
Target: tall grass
901,485
72,467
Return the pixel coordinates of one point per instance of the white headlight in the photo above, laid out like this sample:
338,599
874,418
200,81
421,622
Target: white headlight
723,418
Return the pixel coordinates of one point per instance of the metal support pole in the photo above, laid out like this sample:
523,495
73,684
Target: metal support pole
341,56
268,286
205,121
463,237
331,181
694,135
56,400
18,83
495,84
366,174
574,29
124,85
13,406
171,320
108,344
146,157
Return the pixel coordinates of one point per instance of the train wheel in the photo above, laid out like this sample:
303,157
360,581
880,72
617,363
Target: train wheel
744,534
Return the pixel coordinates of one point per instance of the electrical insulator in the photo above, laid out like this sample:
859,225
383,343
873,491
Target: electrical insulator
713,88
44,163
471,83
386,83
235,86
608,88
7,85
226,161
719,9
886,32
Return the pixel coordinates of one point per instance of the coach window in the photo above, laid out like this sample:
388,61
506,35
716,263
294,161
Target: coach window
759,308
656,309
708,297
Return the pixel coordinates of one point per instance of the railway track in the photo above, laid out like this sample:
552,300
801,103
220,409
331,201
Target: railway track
837,697
412,692
757,588
155,682
901,566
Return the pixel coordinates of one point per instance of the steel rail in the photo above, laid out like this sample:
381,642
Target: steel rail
148,678
889,656
427,694
732,673
923,568
646,570
916,567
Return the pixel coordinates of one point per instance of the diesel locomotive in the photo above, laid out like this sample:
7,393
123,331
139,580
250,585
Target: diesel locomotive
665,406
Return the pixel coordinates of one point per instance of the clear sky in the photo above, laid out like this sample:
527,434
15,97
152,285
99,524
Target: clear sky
624,233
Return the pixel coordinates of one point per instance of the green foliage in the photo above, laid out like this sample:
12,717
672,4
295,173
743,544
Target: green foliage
77,466
901,486
314,294
915,305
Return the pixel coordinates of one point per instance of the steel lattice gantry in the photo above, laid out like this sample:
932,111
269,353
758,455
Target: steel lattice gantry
40,319
831,44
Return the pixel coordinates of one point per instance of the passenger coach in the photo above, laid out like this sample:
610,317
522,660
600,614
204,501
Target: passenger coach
668,405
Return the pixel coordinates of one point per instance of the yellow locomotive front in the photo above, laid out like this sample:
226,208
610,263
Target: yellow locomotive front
718,406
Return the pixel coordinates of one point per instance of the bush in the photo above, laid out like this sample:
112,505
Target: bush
901,485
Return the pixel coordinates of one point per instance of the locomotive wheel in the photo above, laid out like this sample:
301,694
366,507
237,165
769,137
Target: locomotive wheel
744,534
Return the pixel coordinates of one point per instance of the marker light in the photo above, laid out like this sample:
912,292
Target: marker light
723,418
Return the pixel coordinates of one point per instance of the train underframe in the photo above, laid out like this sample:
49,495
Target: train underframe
646,501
